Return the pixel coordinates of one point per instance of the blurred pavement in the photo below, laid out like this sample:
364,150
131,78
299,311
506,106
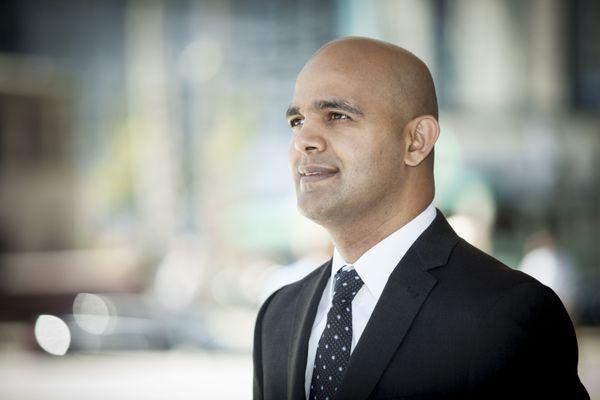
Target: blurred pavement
176,375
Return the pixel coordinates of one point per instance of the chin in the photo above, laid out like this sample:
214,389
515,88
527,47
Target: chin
319,212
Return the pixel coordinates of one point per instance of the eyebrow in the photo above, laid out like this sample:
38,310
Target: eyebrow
337,104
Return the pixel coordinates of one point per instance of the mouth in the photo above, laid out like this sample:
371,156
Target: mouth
315,173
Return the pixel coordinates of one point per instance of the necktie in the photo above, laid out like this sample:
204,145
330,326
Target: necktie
333,350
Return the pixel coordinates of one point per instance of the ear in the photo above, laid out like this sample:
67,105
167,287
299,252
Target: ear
421,134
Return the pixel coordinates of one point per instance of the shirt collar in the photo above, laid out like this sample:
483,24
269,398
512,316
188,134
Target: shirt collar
376,265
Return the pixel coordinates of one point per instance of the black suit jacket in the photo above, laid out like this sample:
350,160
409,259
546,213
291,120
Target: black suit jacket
451,323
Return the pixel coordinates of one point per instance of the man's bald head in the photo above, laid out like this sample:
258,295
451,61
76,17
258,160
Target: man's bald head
390,70
364,123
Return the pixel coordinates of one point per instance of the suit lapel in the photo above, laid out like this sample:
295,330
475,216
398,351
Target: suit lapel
306,310
405,292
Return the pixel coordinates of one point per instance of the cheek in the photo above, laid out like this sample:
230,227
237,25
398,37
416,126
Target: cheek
362,162
376,161
366,152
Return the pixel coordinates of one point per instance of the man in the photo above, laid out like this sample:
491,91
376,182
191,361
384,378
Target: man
405,309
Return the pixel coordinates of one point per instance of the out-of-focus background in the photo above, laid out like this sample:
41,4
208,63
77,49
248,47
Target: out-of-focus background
146,207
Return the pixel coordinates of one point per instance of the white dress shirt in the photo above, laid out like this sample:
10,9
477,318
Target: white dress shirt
374,268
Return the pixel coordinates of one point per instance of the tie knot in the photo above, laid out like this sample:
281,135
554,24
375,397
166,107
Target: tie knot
347,284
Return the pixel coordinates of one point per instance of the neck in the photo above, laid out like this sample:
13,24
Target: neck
353,238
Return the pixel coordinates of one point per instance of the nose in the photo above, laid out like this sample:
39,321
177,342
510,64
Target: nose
309,139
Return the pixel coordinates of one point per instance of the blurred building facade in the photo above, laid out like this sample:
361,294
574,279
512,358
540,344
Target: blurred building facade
130,127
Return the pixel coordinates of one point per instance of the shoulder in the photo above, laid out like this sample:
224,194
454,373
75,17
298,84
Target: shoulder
484,266
495,294
518,320
507,304
284,299
481,275
483,287
464,272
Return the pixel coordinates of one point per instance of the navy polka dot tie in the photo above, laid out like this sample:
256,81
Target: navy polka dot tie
333,350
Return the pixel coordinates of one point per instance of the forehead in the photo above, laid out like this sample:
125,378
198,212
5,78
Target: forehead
357,85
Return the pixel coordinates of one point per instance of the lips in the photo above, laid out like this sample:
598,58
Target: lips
313,172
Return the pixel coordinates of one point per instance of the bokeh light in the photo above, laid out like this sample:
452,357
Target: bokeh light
52,334
93,313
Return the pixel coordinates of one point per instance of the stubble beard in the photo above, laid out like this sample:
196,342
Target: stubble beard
338,209
324,211
335,208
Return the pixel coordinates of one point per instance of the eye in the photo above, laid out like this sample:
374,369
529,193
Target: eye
295,122
337,116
